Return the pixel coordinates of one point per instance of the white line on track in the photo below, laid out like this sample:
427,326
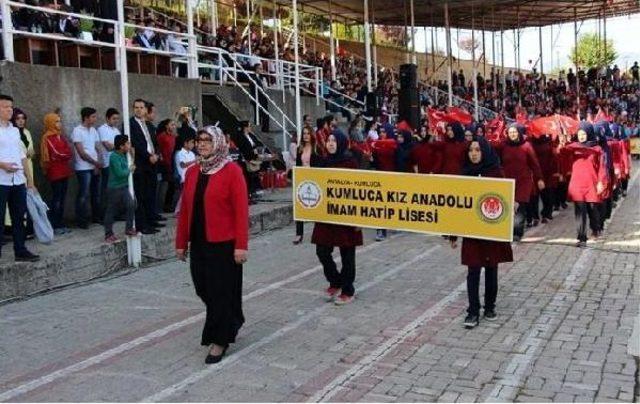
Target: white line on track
199,375
127,346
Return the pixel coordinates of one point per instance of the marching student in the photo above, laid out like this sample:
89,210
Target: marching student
306,156
519,162
328,236
383,158
482,161
452,149
549,166
587,180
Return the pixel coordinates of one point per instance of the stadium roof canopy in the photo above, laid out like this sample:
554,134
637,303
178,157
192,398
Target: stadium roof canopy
498,14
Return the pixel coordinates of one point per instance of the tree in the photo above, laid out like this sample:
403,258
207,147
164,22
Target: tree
591,52
467,44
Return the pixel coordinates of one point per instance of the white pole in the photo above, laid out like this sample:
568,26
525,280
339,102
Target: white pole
367,43
575,44
235,15
448,46
193,52
261,20
503,73
374,47
276,23
414,57
541,52
7,31
551,47
212,22
214,3
332,45
249,15
294,6
474,73
134,244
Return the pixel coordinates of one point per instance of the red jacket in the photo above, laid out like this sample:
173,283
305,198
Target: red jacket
486,253
166,144
616,155
548,163
384,154
226,205
451,156
337,235
587,170
322,135
60,155
426,158
520,163
626,155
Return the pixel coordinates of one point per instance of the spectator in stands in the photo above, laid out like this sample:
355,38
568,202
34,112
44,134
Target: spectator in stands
118,196
251,150
86,143
184,159
67,25
107,132
14,174
140,39
167,146
260,80
55,159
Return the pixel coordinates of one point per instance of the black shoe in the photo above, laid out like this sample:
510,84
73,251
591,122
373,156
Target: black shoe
581,244
149,230
157,225
159,218
490,315
471,321
529,224
535,222
516,238
564,206
211,359
27,257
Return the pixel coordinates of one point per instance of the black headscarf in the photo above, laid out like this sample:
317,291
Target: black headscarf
521,132
489,161
592,140
458,132
603,133
23,136
403,151
342,151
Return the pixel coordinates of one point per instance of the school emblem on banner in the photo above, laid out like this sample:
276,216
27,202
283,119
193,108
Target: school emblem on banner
491,208
309,194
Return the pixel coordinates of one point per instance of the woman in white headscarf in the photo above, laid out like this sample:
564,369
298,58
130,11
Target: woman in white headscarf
214,224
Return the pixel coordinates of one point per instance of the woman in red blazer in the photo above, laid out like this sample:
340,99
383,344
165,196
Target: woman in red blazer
588,177
548,160
452,150
482,161
214,224
519,162
328,236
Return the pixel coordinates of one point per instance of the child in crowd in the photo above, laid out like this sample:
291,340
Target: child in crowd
118,196
184,159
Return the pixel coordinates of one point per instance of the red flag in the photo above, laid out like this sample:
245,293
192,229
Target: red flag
437,121
403,126
552,125
603,116
456,114
494,129
568,124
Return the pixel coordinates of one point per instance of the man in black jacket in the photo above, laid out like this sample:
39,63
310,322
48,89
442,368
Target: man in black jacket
145,174
249,146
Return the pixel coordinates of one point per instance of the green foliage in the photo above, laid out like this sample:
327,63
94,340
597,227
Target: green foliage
86,25
591,52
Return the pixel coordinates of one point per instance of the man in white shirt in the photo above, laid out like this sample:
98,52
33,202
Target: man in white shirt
15,178
87,164
107,132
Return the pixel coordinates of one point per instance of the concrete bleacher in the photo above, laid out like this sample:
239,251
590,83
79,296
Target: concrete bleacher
82,255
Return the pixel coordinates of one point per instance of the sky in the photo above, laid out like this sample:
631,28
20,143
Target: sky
623,31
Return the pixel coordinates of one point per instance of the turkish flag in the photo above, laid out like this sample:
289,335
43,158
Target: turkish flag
552,125
494,129
603,116
437,121
456,114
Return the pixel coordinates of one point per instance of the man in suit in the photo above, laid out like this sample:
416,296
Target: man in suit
145,173
249,146
154,213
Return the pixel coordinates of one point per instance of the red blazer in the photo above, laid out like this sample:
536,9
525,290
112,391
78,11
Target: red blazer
337,235
451,156
384,154
60,155
626,155
548,163
587,170
226,205
486,253
426,158
520,163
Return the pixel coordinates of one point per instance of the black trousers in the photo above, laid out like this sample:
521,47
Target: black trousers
300,229
561,194
145,184
533,209
490,289
548,196
624,184
218,282
345,278
520,218
582,210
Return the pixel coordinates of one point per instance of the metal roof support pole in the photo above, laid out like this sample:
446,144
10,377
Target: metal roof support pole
458,45
604,31
367,44
484,51
541,53
304,37
474,75
235,15
426,53
276,24
7,31
407,57
433,48
448,46
332,45
575,44
294,6
493,40
414,57
192,60
261,20
248,28
503,74
373,46
212,24
551,47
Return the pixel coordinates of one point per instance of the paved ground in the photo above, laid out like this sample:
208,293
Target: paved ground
564,328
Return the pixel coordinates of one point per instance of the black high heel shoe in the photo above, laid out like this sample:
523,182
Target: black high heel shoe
211,359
